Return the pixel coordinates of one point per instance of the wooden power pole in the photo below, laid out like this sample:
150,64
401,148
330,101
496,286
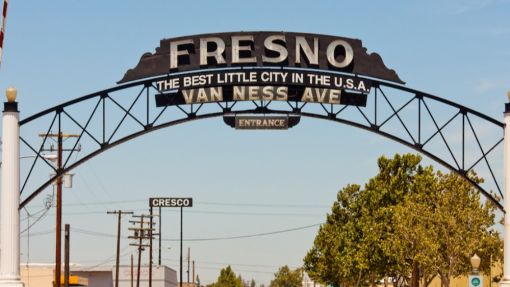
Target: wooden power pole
58,218
66,254
119,213
141,233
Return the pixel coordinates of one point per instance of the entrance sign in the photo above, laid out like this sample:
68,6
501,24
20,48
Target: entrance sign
171,202
254,122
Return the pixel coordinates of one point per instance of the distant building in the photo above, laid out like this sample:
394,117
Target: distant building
461,281
307,282
41,275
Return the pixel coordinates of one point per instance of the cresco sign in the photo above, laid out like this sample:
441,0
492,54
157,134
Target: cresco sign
266,66
170,202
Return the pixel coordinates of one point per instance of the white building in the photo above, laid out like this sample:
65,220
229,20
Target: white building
307,282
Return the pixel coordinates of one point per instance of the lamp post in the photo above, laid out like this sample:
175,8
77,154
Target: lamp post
9,208
475,264
475,280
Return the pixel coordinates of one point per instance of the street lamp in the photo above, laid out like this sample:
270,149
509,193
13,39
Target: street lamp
475,264
11,94
475,279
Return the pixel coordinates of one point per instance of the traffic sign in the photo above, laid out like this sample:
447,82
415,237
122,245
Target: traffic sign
475,281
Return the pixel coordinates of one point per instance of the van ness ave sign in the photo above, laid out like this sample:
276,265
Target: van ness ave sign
261,49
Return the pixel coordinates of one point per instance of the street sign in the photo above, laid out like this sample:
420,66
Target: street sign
475,281
170,202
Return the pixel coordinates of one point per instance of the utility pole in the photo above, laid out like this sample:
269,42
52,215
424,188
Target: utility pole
140,233
159,236
132,270
151,234
66,254
119,213
188,265
180,265
150,250
58,218
193,273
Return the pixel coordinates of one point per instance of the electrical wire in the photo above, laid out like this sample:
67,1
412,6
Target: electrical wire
35,221
250,235
213,203
109,259
210,212
101,234
31,215
230,263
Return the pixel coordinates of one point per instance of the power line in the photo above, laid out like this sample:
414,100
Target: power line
241,270
263,205
250,235
232,264
213,203
210,212
101,234
109,259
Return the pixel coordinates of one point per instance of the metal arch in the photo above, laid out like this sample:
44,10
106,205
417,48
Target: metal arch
370,121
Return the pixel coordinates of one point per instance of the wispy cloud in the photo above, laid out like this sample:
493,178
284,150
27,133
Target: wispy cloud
489,85
499,31
465,6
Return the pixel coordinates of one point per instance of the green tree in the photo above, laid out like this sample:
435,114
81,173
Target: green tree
408,223
464,226
227,278
397,179
287,278
336,257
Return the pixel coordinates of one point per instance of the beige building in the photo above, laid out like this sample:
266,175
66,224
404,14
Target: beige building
455,282
41,275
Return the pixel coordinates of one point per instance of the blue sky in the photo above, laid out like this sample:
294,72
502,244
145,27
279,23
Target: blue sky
242,182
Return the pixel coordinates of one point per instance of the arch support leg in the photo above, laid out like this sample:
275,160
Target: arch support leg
505,282
10,196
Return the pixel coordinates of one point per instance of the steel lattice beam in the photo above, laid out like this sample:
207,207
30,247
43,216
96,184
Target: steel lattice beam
384,115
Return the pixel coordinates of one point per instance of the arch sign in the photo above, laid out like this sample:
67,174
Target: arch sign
261,66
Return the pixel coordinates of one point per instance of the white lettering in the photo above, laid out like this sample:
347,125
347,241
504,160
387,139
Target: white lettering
175,52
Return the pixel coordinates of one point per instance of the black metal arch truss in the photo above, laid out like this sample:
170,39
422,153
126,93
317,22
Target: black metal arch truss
459,141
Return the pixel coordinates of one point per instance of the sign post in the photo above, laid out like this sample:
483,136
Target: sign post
171,202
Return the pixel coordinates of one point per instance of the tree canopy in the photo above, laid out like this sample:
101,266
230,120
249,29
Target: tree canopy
227,278
287,278
409,224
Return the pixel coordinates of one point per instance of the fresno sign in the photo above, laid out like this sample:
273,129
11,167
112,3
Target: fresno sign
282,49
261,66
243,53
